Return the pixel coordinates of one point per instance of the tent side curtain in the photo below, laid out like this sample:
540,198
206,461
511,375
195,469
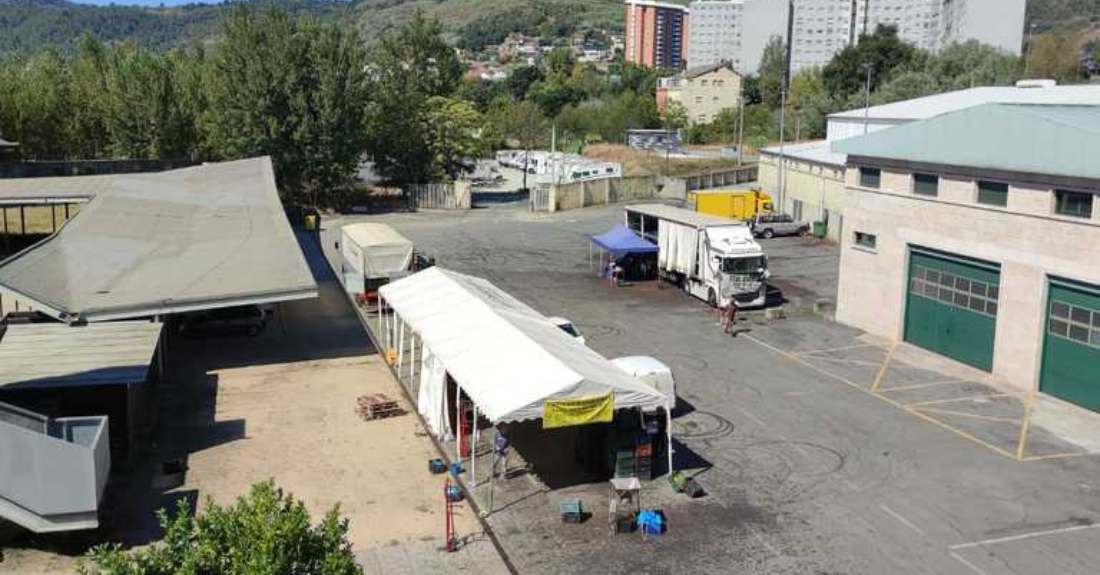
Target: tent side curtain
620,241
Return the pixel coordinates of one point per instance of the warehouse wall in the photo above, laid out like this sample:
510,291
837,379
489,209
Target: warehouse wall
1027,241
819,187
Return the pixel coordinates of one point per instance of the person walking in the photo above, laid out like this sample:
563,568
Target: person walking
731,317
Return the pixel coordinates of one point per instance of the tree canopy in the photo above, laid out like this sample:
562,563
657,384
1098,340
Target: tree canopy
267,532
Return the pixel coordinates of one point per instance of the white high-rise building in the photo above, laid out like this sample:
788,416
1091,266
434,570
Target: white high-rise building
821,28
734,31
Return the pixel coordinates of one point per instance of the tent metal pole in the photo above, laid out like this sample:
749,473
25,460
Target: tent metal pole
668,433
473,450
400,347
458,424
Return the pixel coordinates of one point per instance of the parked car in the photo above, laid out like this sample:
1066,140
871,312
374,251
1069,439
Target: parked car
246,319
771,225
568,327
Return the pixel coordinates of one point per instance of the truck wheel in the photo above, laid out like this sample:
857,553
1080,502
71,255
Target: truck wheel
768,233
712,298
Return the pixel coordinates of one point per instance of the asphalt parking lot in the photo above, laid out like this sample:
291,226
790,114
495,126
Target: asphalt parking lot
823,450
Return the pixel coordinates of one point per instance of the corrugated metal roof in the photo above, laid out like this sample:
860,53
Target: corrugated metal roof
682,216
817,151
1050,140
145,244
58,355
929,106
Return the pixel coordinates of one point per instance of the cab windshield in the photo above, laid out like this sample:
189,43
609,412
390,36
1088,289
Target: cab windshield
749,265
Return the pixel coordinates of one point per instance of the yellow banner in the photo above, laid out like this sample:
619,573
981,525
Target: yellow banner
580,411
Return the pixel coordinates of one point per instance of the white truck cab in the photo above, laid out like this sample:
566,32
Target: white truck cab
712,258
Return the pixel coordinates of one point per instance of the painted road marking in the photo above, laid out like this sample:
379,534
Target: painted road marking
830,350
1022,536
901,519
972,567
885,366
971,415
976,398
932,384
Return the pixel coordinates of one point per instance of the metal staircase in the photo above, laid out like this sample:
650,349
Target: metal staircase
52,471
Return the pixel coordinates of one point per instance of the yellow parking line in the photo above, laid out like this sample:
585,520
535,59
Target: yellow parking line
1021,445
959,399
830,350
1058,456
923,385
881,397
973,415
843,361
882,370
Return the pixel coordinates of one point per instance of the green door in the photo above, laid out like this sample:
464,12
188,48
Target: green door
1071,344
951,307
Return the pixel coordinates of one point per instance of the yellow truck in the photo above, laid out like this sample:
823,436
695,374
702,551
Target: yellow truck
736,204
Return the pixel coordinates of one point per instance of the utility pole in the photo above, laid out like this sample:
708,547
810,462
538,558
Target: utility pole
867,97
741,126
782,142
1027,57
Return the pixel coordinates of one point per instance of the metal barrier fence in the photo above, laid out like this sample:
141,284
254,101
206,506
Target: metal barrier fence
438,196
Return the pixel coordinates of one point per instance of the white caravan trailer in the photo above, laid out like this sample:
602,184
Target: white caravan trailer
373,254
711,258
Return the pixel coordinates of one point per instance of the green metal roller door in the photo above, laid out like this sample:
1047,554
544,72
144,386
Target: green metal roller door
951,307
1071,347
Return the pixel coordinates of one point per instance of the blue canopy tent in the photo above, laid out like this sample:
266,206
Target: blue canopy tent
618,242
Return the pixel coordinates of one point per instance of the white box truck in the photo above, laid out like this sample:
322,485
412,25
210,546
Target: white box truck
712,258
373,254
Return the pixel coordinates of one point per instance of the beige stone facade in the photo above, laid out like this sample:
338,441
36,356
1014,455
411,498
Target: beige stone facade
703,95
1027,238
814,191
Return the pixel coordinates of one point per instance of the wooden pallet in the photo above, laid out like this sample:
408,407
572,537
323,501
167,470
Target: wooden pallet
377,406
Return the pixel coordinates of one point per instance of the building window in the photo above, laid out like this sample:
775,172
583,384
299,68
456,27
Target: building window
926,185
870,177
993,193
869,241
1074,323
958,291
1075,204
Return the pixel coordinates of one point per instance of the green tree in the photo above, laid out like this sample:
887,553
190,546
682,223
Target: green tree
773,70
408,67
290,89
40,107
1056,55
811,104
455,135
882,50
965,65
266,533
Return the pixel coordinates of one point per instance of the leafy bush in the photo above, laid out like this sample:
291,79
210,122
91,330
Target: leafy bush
266,533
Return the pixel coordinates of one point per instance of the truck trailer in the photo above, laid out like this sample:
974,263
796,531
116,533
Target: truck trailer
714,259
373,254
737,204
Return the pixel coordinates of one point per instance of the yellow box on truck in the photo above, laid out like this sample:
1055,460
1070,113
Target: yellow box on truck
736,204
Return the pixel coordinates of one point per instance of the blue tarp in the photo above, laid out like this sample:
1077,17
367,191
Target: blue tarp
620,240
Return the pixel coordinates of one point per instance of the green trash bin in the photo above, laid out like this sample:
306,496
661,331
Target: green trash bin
819,229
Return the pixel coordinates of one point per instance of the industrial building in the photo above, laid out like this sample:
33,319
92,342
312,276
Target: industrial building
88,340
974,234
703,92
656,34
734,31
810,185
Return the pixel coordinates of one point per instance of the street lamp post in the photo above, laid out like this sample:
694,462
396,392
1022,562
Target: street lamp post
869,68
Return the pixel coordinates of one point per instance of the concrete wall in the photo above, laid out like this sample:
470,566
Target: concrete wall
1028,241
51,476
600,192
819,187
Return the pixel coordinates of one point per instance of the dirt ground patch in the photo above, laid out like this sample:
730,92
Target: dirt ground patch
302,430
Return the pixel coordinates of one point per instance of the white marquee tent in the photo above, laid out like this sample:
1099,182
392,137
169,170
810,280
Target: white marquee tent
507,357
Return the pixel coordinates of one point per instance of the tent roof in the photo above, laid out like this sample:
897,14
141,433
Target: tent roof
506,356
367,234
202,237
620,240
